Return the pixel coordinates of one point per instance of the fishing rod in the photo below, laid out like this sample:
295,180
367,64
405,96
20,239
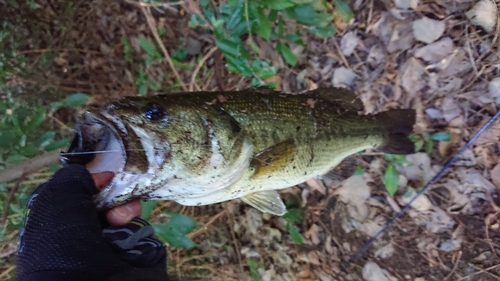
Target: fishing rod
360,252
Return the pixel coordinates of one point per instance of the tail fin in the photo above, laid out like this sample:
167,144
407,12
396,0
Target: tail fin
398,124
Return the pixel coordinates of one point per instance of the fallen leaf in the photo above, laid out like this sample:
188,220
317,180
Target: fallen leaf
373,272
494,89
484,14
343,77
254,220
450,108
427,30
495,175
436,51
354,192
418,169
406,4
348,43
412,78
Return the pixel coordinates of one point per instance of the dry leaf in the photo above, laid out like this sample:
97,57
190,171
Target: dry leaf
484,14
348,43
406,4
373,272
343,77
494,89
412,78
355,192
436,51
427,30
495,175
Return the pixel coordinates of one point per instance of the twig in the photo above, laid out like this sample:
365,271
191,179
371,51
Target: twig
198,67
201,229
481,270
11,196
152,27
29,166
7,271
235,242
454,267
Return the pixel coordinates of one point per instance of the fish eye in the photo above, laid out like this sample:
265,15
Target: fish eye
154,111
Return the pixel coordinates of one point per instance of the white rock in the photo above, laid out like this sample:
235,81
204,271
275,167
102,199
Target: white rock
427,30
484,14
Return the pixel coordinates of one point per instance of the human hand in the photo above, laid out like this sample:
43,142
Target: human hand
65,238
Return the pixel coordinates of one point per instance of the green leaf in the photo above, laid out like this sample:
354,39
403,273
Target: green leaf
127,49
143,90
175,229
293,37
229,47
287,54
239,65
147,208
16,158
76,100
344,11
391,179
36,119
324,32
359,171
45,139
149,48
57,144
278,4
428,147
264,26
294,233
440,136
305,14
252,265
294,215
8,139
180,54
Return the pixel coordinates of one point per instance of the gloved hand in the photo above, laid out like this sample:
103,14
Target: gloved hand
65,238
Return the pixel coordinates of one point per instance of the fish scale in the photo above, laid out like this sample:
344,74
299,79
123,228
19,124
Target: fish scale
219,146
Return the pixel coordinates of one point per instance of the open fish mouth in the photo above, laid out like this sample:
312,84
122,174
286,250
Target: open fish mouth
96,145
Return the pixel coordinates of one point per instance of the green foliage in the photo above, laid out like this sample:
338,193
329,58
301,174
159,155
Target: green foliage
252,265
147,209
425,140
391,179
294,216
175,230
238,19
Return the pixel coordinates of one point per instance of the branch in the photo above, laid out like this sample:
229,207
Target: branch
29,166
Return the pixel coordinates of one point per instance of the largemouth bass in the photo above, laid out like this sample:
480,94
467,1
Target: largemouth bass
202,148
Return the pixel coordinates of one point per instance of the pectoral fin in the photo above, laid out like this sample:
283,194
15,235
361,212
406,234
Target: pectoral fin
273,159
267,201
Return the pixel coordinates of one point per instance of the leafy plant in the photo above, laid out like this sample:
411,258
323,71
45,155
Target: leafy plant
391,175
237,19
294,216
425,140
175,230
252,265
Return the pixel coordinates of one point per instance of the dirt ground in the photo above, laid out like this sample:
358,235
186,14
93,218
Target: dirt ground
430,57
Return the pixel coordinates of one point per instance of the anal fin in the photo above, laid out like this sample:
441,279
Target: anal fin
268,201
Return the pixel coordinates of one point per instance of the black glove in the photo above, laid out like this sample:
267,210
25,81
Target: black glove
64,237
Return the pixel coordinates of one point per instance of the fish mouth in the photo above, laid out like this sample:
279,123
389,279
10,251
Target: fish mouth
96,145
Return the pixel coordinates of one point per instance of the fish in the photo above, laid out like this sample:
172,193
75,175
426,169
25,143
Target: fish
201,148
